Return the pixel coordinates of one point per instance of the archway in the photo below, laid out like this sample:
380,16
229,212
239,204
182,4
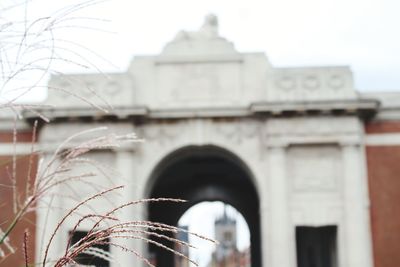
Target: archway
203,173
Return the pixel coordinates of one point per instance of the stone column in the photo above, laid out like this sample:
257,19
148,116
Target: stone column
126,167
280,245
357,230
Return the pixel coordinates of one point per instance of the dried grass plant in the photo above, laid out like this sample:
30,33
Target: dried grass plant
28,46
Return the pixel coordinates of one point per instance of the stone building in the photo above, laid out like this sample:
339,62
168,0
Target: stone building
298,151
225,234
227,254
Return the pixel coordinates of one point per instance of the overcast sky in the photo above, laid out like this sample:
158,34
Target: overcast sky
361,33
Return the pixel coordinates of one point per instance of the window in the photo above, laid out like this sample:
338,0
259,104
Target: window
228,236
316,246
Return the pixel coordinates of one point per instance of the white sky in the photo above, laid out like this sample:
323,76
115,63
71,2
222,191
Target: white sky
361,33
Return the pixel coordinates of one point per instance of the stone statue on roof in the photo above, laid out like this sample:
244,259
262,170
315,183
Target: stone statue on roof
204,41
209,30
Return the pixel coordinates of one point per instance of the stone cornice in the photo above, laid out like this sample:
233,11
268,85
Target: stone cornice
364,108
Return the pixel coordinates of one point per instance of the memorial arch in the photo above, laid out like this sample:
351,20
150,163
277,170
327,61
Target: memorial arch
301,143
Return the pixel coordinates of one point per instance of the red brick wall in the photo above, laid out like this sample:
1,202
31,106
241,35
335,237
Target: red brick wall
383,127
384,185
6,206
22,136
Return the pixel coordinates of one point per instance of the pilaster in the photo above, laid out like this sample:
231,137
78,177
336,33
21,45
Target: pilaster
281,243
127,169
356,208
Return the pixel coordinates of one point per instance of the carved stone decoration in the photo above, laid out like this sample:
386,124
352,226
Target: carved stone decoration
111,88
160,133
99,89
199,79
89,89
239,131
336,81
286,82
311,82
198,83
64,86
313,126
314,168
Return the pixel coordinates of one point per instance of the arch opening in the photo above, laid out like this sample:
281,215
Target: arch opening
199,174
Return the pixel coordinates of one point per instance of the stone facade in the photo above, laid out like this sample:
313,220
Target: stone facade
316,151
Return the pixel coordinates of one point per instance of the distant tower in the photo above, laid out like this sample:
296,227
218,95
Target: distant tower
225,233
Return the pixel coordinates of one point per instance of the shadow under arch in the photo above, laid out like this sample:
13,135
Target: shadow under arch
203,173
